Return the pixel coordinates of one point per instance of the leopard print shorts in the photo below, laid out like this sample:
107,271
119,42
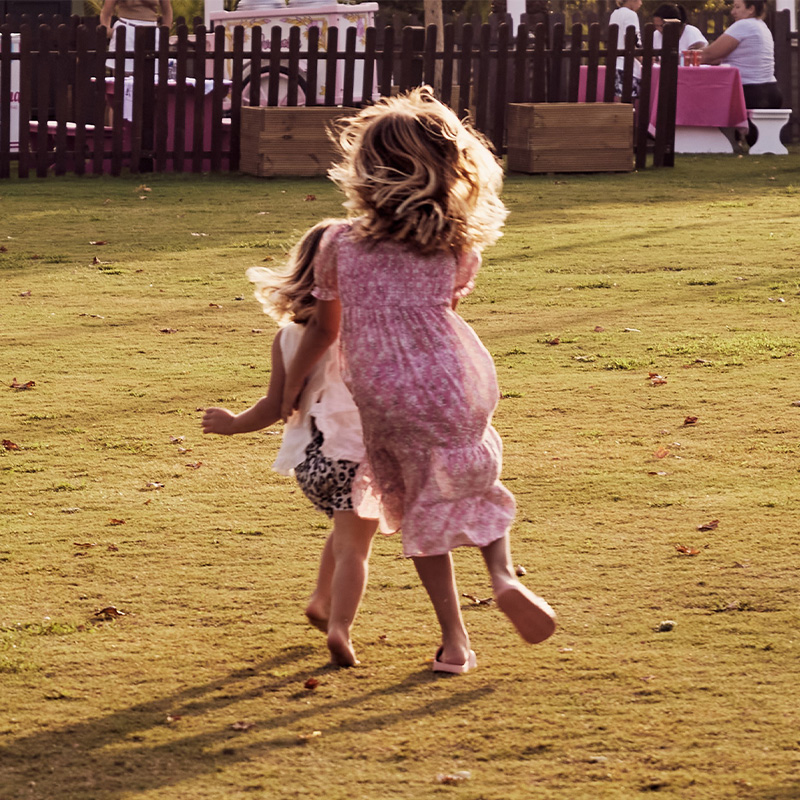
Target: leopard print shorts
328,484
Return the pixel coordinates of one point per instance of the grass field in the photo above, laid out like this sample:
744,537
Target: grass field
618,308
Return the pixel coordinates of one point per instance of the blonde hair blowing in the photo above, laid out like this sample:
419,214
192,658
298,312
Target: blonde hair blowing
286,294
416,174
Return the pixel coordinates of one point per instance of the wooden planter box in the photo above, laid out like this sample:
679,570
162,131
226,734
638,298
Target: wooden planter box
570,137
288,141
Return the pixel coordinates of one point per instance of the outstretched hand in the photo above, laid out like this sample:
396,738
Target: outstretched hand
218,420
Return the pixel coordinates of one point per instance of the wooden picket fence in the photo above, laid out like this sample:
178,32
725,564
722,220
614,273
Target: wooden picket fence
73,118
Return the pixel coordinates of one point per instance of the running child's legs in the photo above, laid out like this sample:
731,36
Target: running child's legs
438,578
532,616
319,604
351,544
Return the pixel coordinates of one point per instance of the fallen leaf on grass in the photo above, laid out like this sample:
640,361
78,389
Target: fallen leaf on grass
687,551
183,450
176,439
690,420
154,485
311,683
99,242
15,384
242,725
3,248
195,465
709,526
97,262
310,197
661,473
214,305
453,778
304,737
599,329
168,330
109,612
477,601
9,445
143,188
656,379
25,294
84,544
662,452
631,330
199,234
554,341
113,548
114,521
520,570
93,316
173,718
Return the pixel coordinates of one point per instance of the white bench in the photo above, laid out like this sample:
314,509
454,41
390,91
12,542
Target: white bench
769,122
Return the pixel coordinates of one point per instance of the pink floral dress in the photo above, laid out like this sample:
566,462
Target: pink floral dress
425,387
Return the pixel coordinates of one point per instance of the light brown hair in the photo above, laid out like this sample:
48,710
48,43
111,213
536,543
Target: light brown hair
416,174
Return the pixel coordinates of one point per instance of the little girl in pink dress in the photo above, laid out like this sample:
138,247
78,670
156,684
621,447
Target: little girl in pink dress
425,190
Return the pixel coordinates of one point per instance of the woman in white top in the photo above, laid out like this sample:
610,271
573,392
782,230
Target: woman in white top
748,46
624,17
691,38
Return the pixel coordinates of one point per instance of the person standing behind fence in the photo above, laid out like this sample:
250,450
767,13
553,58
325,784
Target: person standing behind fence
624,17
133,14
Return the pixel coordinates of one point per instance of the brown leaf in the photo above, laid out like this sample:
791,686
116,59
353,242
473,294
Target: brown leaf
657,473
143,188
154,485
113,548
177,439
690,420
9,445
3,248
168,330
477,601
304,737
599,329
214,305
25,294
109,612
15,384
311,683
242,725
173,718
99,242
113,521
85,544
688,551
662,452
554,341
709,526
310,198
195,465
656,379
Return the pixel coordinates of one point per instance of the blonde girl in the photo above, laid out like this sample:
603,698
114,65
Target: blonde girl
423,191
322,444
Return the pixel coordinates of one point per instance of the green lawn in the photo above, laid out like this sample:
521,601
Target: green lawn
125,302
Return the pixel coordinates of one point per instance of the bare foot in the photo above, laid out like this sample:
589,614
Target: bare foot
533,618
320,623
342,653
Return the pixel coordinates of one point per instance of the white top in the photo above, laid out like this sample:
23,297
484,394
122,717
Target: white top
625,18
754,57
327,400
690,36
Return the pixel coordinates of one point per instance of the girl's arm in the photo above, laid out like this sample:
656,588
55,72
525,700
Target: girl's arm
264,413
105,14
166,13
718,49
322,330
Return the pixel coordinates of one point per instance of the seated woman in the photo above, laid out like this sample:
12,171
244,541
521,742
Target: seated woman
691,38
748,46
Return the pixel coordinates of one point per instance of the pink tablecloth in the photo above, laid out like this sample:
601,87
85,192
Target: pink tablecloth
708,97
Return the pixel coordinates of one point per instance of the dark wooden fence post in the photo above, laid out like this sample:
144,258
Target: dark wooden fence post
645,93
664,151
5,101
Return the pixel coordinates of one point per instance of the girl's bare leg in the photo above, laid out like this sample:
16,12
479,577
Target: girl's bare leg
532,616
319,604
352,542
438,578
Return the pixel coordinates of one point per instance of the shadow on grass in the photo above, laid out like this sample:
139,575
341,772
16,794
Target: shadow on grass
110,756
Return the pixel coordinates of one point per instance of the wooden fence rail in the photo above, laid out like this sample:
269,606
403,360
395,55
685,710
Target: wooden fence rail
72,117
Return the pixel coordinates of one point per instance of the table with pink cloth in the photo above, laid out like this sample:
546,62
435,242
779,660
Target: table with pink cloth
709,98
